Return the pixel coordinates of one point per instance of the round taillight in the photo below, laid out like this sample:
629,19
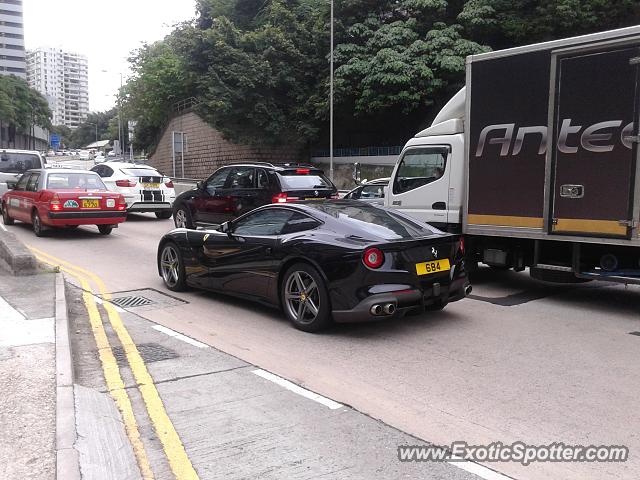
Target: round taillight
373,257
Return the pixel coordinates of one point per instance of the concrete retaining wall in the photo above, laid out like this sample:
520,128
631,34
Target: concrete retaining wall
206,150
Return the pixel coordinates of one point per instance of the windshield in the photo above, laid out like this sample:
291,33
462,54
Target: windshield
18,162
69,180
293,181
380,222
141,172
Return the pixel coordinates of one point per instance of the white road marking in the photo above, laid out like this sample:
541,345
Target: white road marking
3,227
179,336
327,402
479,470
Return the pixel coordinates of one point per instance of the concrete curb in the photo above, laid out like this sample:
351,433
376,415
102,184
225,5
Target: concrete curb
67,459
17,257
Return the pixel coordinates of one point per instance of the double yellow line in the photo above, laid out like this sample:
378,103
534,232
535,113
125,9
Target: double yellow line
172,445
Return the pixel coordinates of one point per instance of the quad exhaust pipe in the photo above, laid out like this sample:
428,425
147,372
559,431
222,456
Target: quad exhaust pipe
383,309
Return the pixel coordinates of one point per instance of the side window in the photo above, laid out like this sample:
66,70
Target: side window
299,223
241,177
32,186
354,194
263,179
372,191
419,167
217,180
22,183
264,222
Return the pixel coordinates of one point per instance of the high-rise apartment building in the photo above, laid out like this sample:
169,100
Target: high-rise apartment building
12,54
63,78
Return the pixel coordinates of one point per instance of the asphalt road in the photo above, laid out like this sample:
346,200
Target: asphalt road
518,361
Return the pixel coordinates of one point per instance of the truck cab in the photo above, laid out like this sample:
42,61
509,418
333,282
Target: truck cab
428,179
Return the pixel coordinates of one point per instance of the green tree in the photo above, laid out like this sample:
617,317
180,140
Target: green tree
85,133
22,106
508,23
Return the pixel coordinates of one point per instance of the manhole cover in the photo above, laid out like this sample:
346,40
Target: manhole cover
150,352
130,302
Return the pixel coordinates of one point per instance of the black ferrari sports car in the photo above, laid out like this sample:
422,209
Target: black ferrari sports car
342,261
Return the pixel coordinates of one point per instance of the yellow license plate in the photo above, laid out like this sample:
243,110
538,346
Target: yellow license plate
150,185
90,203
436,266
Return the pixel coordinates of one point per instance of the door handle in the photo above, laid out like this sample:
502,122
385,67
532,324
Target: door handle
439,206
572,191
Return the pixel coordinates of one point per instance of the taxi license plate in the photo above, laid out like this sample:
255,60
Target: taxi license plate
436,266
151,186
90,203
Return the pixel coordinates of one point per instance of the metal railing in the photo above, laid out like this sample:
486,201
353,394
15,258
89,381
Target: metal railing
359,152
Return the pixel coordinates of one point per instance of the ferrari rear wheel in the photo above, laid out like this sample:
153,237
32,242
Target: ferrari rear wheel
6,219
172,268
36,224
305,299
105,229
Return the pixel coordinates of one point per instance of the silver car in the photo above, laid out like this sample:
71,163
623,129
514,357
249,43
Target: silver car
371,192
13,163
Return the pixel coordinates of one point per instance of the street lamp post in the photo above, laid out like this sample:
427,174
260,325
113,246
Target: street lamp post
95,125
331,100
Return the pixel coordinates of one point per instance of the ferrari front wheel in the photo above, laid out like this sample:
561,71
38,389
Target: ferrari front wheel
172,268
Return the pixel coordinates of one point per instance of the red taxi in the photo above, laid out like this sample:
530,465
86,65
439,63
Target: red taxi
63,198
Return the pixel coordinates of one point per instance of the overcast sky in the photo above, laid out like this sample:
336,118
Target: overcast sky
104,31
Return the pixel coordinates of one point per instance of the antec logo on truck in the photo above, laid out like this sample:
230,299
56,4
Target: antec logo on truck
599,137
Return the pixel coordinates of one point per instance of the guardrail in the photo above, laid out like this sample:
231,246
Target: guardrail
359,152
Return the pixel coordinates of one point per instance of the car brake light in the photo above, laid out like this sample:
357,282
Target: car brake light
283,198
126,183
302,171
373,257
169,184
122,204
55,204
462,245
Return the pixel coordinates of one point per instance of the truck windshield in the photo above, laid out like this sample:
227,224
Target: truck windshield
420,166
18,162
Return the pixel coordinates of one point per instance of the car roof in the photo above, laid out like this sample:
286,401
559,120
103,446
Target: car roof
129,165
13,150
60,170
274,166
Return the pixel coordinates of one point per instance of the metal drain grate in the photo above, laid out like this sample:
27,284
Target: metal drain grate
150,352
130,302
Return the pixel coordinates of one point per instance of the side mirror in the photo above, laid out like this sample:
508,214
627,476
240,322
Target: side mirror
225,227
199,185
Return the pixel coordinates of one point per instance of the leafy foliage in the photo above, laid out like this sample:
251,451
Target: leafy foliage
22,106
260,68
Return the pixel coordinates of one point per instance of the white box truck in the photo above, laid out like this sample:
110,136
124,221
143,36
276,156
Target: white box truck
535,161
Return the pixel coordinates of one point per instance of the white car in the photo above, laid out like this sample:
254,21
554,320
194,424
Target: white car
144,188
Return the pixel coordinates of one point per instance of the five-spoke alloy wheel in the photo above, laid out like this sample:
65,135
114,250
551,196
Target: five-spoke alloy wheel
305,299
172,268
182,218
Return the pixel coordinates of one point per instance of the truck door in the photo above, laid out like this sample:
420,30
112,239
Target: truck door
420,184
594,155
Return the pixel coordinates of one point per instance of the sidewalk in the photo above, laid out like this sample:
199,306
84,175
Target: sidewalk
27,377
